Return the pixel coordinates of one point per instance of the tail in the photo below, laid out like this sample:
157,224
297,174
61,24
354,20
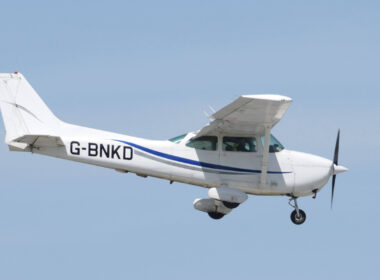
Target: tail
27,119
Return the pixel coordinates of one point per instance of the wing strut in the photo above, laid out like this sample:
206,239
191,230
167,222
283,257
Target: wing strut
264,163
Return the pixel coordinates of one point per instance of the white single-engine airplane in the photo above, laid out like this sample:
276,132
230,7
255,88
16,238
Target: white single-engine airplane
234,155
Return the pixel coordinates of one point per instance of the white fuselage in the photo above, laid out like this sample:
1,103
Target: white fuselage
289,172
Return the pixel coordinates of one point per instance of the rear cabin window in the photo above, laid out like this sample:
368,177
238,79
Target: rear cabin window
177,139
239,144
207,143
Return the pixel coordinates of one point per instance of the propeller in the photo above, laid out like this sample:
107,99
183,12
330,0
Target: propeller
335,164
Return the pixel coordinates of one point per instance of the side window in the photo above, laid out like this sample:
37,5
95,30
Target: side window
239,144
208,143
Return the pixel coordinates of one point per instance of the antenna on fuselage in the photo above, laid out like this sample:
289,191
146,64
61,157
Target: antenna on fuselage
209,115
212,109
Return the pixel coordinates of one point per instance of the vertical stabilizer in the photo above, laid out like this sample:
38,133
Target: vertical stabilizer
23,111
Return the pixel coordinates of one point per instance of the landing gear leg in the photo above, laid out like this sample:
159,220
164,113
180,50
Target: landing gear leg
298,216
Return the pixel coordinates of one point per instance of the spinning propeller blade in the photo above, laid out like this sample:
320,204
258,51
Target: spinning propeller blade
335,163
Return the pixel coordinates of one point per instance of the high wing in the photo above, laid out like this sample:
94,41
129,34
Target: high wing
249,114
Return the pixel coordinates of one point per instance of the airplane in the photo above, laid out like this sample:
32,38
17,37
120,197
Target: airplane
234,155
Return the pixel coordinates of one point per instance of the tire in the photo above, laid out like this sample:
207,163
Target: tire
215,215
230,205
298,220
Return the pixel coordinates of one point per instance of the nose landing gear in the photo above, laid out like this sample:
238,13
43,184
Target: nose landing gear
298,216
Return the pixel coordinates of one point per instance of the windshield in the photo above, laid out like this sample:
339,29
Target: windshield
274,145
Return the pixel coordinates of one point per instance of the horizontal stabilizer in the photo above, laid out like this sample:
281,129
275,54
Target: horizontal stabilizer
26,142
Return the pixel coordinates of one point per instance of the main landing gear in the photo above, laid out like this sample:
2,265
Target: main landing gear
298,216
215,215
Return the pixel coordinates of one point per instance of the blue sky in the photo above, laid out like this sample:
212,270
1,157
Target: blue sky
150,69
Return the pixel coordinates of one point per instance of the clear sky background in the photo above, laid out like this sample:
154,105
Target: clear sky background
150,69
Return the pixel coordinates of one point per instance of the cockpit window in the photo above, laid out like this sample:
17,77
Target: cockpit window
274,145
239,144
178,139
208,143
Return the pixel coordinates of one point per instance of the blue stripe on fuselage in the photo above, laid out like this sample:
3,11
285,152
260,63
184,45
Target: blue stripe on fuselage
194,162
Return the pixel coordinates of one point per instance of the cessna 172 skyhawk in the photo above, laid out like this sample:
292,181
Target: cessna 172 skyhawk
234,155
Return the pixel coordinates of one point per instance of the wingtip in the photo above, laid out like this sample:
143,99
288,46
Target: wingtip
272,97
